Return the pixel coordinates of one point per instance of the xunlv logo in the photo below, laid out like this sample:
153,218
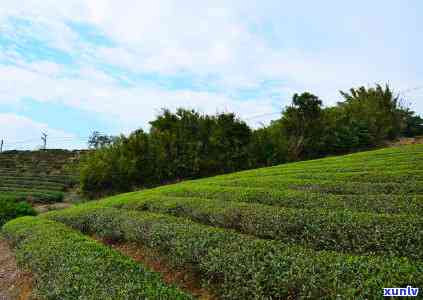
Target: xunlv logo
401,292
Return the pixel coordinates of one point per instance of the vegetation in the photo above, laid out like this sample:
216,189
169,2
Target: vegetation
186,144
343,231
37,176
181,145
239,266
67,265
34,177
336,227
342,226
11,209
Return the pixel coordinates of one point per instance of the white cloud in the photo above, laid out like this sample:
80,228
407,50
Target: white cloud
130,107
21,132
211,41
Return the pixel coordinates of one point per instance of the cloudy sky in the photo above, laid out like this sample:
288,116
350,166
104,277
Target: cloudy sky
71,67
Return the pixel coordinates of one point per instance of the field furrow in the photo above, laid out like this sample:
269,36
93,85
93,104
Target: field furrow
240,266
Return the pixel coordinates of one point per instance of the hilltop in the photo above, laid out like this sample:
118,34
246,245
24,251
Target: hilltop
347,225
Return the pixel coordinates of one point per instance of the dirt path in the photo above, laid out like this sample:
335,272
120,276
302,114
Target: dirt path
14,284
182,278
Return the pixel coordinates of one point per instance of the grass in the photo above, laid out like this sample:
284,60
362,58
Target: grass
339,227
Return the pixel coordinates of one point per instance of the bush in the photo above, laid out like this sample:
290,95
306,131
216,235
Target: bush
39,196
327,186
67,265
320,229
11,209
242,267
377,203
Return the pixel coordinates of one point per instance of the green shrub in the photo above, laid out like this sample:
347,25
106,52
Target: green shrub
67,265
320,229
39,196
325,186
10,209
377,203
241,267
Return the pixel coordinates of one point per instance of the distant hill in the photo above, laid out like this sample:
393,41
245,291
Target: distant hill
42,176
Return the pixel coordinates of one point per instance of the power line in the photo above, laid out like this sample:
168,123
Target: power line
412,89
274,113
261,115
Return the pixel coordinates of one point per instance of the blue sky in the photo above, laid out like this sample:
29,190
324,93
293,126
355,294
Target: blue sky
79,66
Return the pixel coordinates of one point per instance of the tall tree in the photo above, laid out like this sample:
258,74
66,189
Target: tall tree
303,124
378,109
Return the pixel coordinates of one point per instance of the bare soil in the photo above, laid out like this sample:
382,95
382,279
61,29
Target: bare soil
14,283
42,208
407,141
185,279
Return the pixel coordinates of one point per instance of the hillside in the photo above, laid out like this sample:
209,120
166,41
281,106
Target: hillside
37,176
345,226
38,180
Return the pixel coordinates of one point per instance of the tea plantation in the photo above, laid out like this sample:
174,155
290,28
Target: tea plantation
336,228
34,177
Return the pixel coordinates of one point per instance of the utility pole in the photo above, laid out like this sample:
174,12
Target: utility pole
44,139
1,146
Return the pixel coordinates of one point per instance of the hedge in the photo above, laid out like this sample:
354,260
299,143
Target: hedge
320,229
325,186
42,197
239,266
67,265
401,159
11,209
379,203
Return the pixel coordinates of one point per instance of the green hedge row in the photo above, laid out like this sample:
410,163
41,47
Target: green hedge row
241,267
341,172
57,180
380,176
67,265
42,197
325,186
320,229
11,209
32,185
369,162
379,203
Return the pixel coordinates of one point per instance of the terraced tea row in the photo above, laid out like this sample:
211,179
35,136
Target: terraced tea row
319,229
239,266
385,160
379,203
37,176
67,265
38,196
340,227
29,178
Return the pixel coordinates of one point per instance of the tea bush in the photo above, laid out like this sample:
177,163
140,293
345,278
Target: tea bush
242,267
67,265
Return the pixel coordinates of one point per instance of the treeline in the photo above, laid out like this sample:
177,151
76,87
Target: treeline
187,144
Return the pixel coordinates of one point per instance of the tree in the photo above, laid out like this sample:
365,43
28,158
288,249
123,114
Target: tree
413,124
229,143
186,144
303,124
98,140
269,145
378,109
